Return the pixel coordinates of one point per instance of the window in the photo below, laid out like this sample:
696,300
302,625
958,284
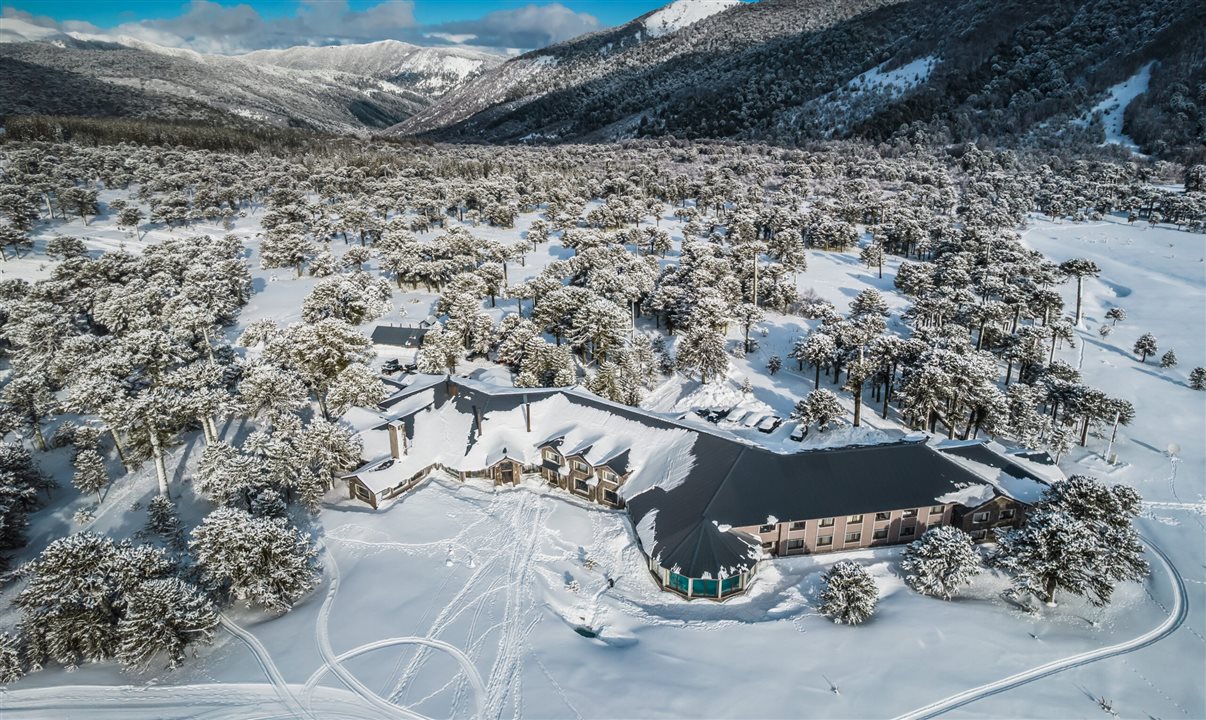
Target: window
705,588
581,486
679,582
795,545
908,531
581,466
880,534
798,525
853,537
363,493
979,534
730,585
909,514
611,497
854,520
824,540
980,517
551,455
883,517
937,510
768,546
766,529
827,522
1008,513
607,475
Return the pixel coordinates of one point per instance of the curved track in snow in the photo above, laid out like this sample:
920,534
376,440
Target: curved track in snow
269,666
1177,618
334,663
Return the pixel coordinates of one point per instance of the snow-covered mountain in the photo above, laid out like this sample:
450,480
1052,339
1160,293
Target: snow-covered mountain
788,71
337,89
430,71
681,13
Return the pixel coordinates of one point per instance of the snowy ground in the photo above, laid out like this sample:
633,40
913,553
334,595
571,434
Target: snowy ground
1113,108
462,600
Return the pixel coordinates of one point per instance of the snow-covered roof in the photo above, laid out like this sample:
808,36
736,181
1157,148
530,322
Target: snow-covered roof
685,482
1007,472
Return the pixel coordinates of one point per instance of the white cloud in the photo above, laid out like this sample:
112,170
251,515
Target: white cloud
211,27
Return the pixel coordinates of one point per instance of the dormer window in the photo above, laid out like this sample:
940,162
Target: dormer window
581,466
552,455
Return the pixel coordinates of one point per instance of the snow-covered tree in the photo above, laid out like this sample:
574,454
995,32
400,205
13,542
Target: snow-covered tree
1197,378
940,562
260,560
442,350
1115,315
163,616
1079,268
1168,359
20,481
824,408
849,595
356,385
774,364
701,350
12,665
90,474
77,593
1144,346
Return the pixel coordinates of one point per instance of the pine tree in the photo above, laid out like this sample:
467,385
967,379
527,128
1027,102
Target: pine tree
76,595
441,352
940,562
774,364
1080,269
824,408
260,560
12,667
1197,378
849,595
1168,360
163,520
1115,315
1144,346
163,616
702,350
90,474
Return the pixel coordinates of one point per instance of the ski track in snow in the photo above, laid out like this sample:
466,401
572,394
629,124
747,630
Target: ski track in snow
264,658
334,663
1170,625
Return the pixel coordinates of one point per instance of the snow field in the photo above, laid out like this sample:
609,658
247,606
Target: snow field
505,577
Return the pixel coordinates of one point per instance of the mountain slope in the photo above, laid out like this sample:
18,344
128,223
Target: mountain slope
429,71
338,90
788,71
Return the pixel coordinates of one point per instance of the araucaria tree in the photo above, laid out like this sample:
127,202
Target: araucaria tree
940,562
1080,269
1079,539
89,599
1144,346
849,595
260,560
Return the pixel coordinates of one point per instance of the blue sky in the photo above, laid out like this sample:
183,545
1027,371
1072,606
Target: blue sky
234,26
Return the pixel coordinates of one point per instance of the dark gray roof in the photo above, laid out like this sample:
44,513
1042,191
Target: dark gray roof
981,453
408,337
739,485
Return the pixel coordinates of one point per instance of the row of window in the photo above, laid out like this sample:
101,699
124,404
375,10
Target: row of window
851,537
983,517
554,456
858,519
609,496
